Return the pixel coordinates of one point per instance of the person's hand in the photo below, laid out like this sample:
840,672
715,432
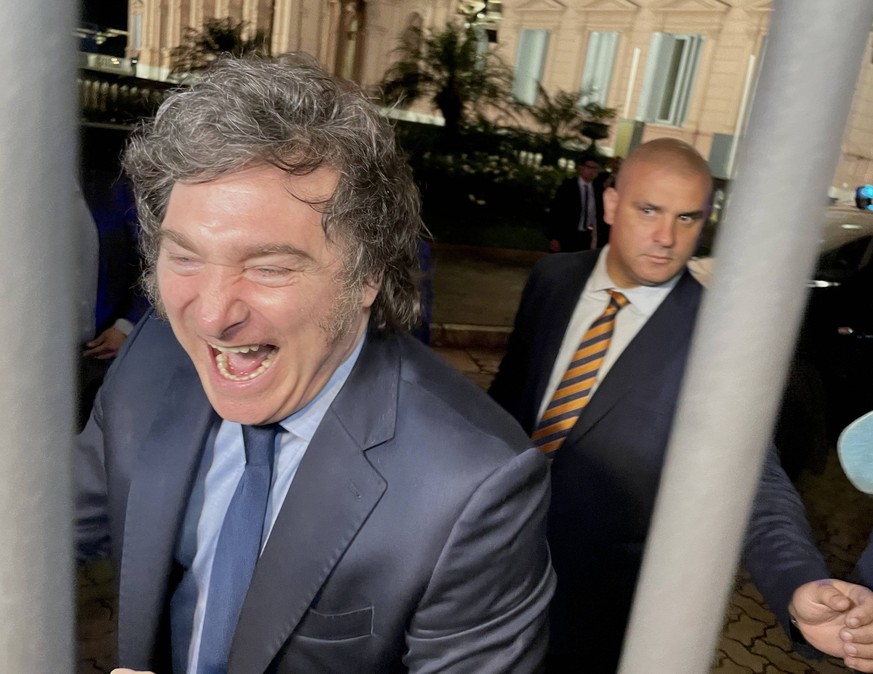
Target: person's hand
105,345
836,618
129,671
554,246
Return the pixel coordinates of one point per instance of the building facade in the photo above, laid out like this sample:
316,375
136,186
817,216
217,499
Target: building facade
352,38
679,68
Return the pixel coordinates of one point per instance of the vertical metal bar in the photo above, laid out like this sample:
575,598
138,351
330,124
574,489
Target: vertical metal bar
747,327
37,179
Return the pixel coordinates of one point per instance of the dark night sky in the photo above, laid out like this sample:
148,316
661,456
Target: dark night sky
107,13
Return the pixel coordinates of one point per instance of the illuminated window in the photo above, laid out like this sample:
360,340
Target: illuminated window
669,78
136,32
599,61
530,59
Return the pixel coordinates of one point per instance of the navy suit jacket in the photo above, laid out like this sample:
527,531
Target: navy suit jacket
565,212
412,537
110,200
605,477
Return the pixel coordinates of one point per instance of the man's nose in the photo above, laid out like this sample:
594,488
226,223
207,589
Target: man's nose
220,307
665,231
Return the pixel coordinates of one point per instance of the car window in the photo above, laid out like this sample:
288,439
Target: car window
843,262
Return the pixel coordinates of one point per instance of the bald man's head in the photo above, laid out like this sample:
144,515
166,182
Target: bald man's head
669,153
656,211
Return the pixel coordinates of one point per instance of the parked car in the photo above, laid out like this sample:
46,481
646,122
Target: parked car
830,381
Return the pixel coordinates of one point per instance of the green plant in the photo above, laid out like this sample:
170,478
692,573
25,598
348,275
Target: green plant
200,47
453,68
595,124
479,188
558,114
564,122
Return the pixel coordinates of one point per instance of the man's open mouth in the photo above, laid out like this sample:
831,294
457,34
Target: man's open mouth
242,363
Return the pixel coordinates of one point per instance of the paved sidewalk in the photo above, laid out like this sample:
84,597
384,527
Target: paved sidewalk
476,294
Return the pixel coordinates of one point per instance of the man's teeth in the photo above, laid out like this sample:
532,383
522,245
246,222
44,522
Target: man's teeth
236,349
221,360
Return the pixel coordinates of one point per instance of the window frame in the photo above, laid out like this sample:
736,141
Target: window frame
668,83
525,82
599,67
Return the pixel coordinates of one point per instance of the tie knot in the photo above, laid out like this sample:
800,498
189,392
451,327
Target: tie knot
617,299
260,443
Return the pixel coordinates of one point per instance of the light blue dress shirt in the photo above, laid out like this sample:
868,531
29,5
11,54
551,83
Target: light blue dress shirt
221,468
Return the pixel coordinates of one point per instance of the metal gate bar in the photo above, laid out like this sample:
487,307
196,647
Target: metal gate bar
748,322
37,181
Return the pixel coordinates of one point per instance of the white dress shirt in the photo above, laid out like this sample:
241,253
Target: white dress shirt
643,302
588,217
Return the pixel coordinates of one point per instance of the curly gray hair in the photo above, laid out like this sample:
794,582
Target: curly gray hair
289,113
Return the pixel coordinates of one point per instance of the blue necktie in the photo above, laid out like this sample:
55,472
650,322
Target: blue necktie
239,545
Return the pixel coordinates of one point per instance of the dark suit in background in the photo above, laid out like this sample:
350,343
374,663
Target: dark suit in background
565,214
120,302
606,475
119,295
607,465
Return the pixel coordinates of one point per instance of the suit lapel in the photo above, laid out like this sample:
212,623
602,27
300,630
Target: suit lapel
556,318
667,331
332,494
159,490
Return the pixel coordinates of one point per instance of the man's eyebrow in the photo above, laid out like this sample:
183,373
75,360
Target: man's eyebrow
258,250
694,215
175,237
246,252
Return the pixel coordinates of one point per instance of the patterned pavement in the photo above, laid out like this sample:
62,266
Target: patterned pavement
97,612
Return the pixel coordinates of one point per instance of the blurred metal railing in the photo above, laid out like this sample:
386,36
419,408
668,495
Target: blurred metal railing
37,244
118,99
765,252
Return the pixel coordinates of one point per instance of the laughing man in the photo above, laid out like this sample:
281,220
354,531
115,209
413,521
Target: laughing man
287,481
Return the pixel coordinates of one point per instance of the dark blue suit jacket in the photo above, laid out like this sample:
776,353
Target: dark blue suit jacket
110,200
413,536
605,477
565,211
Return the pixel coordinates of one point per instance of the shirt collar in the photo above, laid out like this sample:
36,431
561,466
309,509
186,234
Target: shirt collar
304,422
643,299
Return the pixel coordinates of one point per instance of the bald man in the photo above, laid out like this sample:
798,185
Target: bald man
593,371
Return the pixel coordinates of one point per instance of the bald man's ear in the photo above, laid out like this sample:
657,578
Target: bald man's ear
610,203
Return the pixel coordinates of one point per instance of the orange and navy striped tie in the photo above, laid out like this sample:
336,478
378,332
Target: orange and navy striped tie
574,390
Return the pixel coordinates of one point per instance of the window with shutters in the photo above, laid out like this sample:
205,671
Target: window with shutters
669,78
599,61
530,59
